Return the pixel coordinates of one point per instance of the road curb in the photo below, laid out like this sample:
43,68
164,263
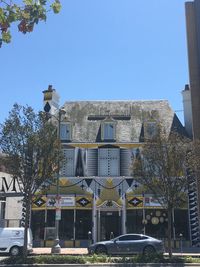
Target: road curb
107,265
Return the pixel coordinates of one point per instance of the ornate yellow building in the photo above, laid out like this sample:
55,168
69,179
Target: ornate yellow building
97,192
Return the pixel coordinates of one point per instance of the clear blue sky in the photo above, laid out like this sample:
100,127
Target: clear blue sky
99,50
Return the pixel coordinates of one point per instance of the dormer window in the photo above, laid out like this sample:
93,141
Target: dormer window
65,131
150,130
108,131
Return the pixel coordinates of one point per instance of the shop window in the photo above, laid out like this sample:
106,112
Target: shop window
108,131
66,225
83,224
181,223
136,217
37,224
109,162
65,132
50,218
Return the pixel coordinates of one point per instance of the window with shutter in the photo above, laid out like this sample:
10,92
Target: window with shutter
67,167
125,162
92,162
65,132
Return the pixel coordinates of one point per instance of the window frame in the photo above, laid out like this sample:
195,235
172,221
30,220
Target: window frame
69,129
107,124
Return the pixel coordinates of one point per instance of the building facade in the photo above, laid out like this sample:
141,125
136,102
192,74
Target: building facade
97,193
10,201
191,100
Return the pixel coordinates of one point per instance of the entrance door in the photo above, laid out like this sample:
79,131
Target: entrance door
110,222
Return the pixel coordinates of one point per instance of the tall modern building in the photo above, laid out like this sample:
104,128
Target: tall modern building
193,42
191,99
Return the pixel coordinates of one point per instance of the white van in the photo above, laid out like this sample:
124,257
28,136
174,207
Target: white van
12,240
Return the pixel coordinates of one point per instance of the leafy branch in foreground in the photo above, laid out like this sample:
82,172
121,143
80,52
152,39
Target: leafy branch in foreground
26,14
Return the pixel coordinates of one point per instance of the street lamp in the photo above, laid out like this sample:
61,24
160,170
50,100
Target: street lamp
56,247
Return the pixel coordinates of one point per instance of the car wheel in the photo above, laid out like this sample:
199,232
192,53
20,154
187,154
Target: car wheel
101,250
15,251
148,250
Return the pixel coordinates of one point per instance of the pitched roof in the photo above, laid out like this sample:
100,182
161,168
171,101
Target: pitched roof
130,116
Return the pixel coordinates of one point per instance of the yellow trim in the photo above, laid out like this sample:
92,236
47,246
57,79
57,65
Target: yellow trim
34,207
140,205
68,244
48,96
77,205
96,145
49,243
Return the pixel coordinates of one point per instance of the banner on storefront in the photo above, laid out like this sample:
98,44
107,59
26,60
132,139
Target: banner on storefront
152,202
63,201
139,202
52,201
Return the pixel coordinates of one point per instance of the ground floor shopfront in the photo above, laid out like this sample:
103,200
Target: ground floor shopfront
80,215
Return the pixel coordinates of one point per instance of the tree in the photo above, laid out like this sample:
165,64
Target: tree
29,13
162,169
32,151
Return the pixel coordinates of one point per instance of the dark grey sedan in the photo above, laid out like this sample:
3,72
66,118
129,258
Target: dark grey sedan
128,244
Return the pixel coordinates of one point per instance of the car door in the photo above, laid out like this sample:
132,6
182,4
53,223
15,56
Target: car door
123,244
136,243
130,244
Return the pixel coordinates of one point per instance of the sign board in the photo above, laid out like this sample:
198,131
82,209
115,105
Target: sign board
63,201
67,201
9,186
58,214
152,202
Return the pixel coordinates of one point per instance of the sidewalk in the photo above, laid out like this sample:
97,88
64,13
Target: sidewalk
66,251
190,251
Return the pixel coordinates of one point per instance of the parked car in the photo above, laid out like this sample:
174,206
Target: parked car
12,240
128,244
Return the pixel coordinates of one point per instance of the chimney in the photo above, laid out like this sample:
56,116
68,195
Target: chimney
51,100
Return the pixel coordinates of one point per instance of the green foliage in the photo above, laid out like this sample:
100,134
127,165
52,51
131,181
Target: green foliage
42,259
56,6
26,15
31,147
6,37
70,259
162,169
32,152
